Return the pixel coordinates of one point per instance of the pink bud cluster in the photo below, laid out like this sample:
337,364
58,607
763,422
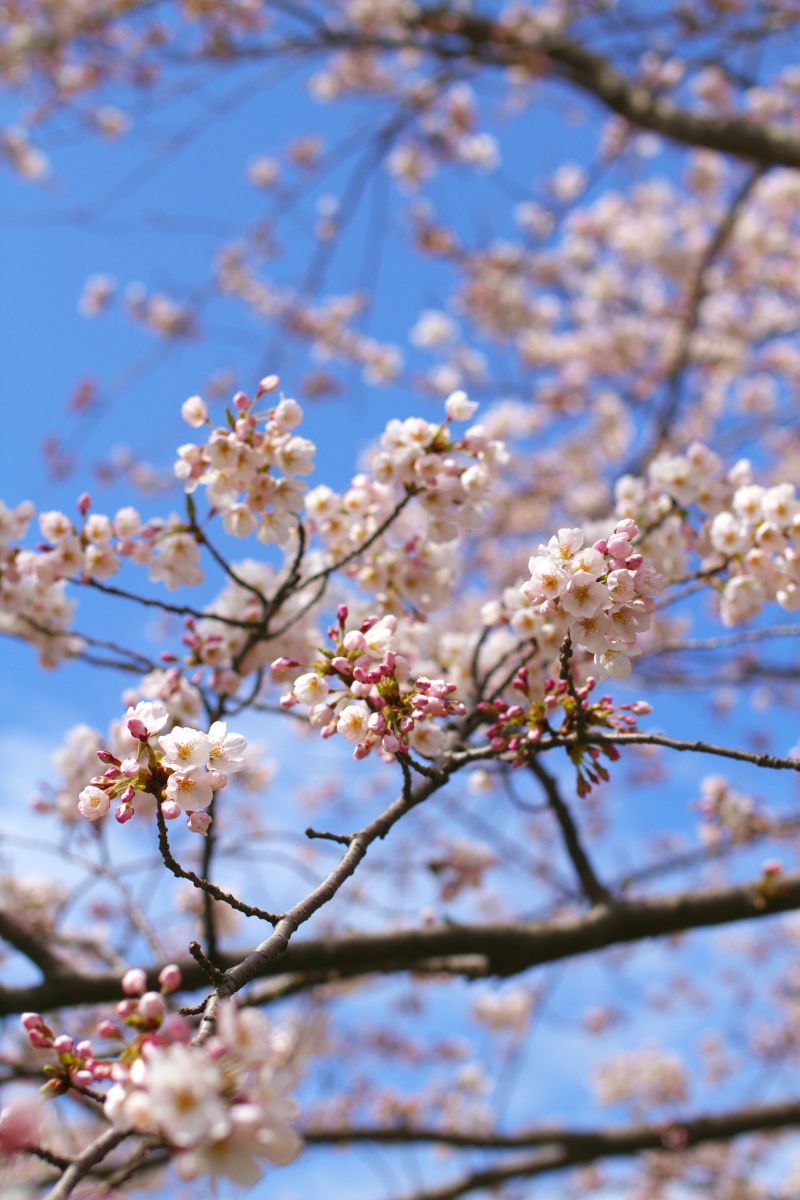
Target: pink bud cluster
183,769
602,594
77,1065
362,689
516,729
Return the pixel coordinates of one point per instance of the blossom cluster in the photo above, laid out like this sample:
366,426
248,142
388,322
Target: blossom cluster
362,688
31,606
646,1078
728,812
602,595
748,536
449,476
181,772
221,1107
250,469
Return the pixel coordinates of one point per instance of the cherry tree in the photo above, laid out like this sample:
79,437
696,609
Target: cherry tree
440,809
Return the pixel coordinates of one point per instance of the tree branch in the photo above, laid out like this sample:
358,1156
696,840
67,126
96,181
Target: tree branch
506,949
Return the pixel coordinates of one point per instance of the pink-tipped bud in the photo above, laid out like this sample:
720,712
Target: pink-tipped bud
107,1029
138,729
199,822
128,794
85,1049
64,1044
82,1078
84,503
342,613
170,977
32,1020
362,750
151,1006
125,1008
279,666
123,814
107,757
217,779
134,982
376,723
170,810
241,401
39,1039
268,384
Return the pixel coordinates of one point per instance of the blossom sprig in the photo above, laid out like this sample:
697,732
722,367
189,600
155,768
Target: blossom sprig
746,534
601,594
220,1108
363,688
443,480
250,468
560,711
182,769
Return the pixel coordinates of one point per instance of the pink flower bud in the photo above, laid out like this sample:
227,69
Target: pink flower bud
32,1020
128,794
170,977
151,1006
241,401
217,779
124,813
107,1029
85,1049
361,750
772,867
137,729
280,666
64,1044
82,1078
376,723
125,1008
342,613
39,1040
177,1028
199,822
84,503
107,757
268,384
171,810
134,982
